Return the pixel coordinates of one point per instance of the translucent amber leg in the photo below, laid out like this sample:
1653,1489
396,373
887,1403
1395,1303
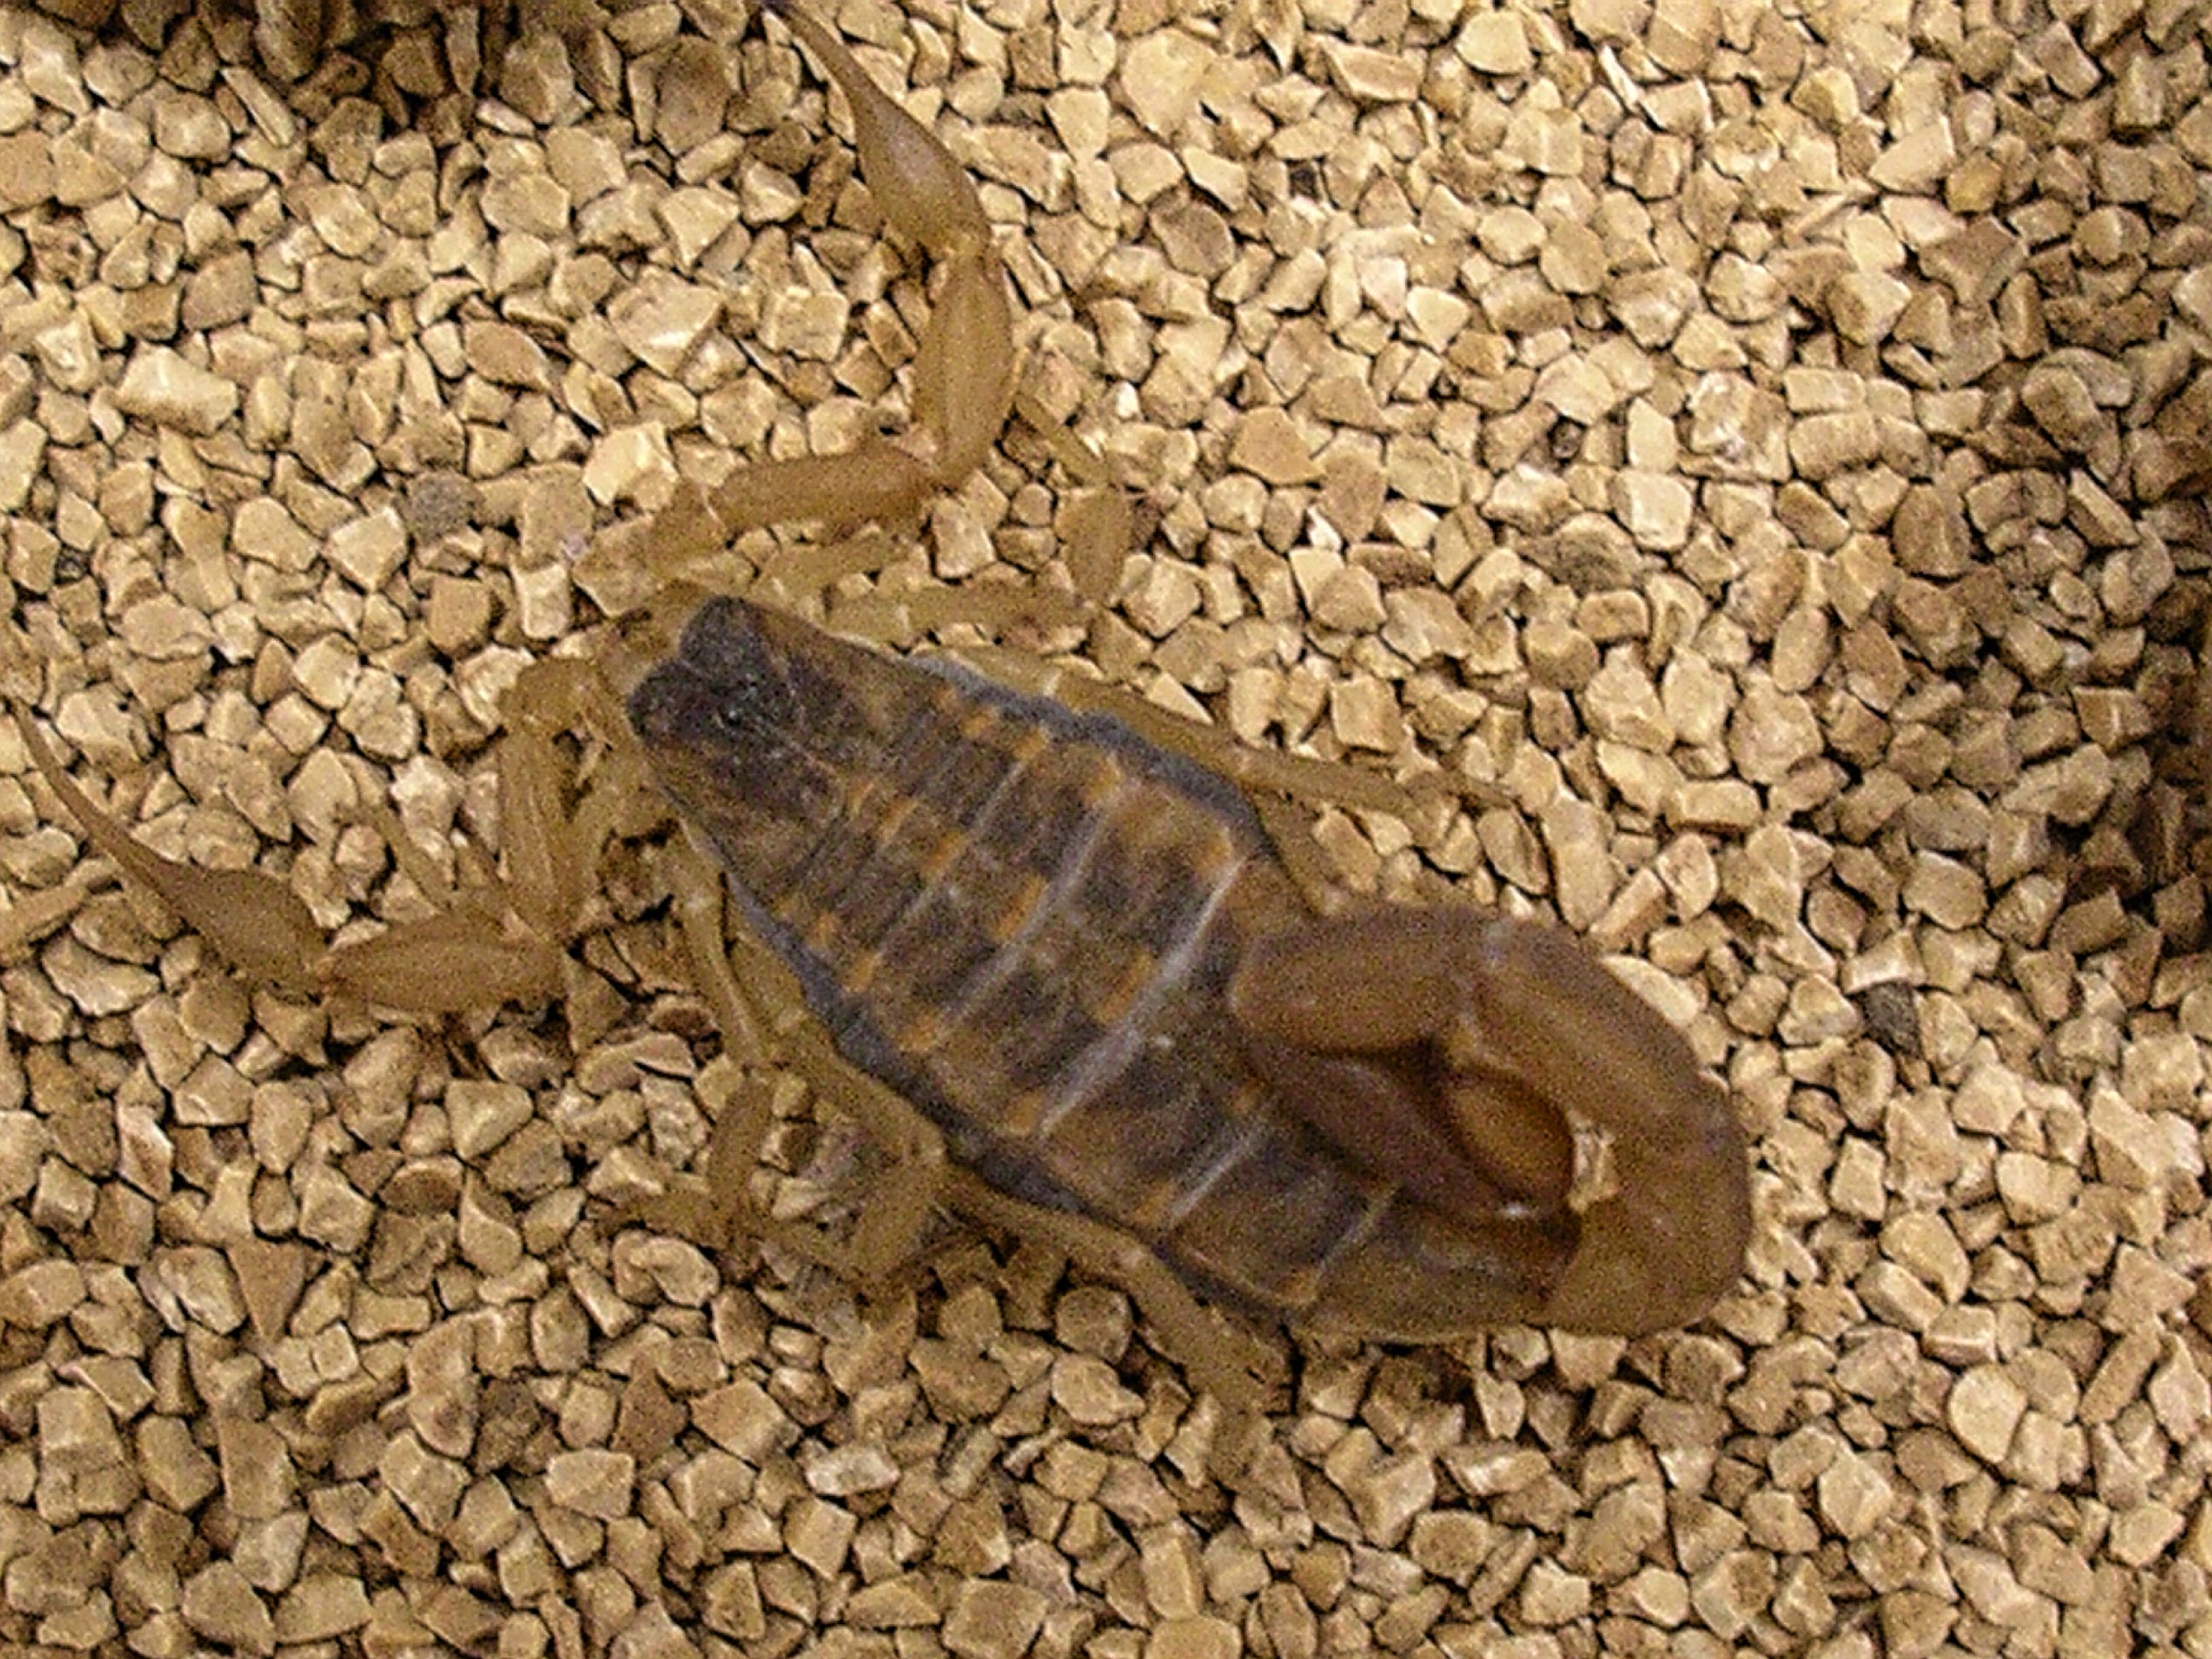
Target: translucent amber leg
964,374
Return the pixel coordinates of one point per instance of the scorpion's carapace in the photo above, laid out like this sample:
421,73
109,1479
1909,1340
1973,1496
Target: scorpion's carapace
1079,957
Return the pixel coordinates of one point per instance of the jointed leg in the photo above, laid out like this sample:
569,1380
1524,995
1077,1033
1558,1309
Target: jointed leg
1219,1356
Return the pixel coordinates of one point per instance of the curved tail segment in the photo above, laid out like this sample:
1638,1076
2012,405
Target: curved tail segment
1510,1047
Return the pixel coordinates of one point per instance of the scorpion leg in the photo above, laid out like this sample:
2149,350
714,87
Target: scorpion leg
963,372
499,942
1220,1358
256,923
1506,1036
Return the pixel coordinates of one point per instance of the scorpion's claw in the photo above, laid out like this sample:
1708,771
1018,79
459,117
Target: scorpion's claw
1456,1054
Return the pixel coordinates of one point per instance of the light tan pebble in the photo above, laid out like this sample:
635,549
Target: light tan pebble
2047,1564
1169,596
2142,1534
1175,1582
2063,406
1620,703
1854,1495
1823,446
1268,443
22,456
258,1477
991,1619
1422,623
591,1481
2161,1071
1730,1593
1772,733
1495,42
1574,259
1616,22
529,204
1546,141
893,1604
1816,1011
93,985
1437,315
159,385
1989,1587
41,1294
1530,499
1350,599
76,1433
1865,305
1578,389
808,323
693,81
1192,1638
1896,1297
1919,161
670,1269
1092,1319
191,129
1653,304
744,1419
1510,235
632,463
663,319
1983,1408
1352,494
1080,115
2131,1148
1089,1391
845,1471
1145,171
176,1471
457,616
220,1605
504,355
1371,76
1682,34
585,163
1160,78
820,1534
27,170
1948,892
369,550
1549,1596
1364,712
1583,873
695,220
270,1278
1977,262
2035,1190
1767,877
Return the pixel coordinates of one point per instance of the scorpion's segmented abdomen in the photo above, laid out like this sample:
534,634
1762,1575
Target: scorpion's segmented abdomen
1023,919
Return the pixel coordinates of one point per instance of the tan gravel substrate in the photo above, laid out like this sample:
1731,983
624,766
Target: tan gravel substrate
1755,449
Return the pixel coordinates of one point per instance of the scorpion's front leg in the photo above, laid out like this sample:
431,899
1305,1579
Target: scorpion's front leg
963,373
1492,1039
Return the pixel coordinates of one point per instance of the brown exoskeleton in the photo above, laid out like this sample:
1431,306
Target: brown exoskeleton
1074,954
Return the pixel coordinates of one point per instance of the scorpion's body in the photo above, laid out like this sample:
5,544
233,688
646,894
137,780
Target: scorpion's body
1028,921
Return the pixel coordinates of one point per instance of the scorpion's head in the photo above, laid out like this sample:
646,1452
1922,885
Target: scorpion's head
754,722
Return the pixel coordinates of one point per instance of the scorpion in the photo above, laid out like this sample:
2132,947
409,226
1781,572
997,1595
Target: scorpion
1064,964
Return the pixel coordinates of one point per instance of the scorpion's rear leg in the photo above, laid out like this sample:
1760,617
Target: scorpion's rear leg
1219,1356
1503,1035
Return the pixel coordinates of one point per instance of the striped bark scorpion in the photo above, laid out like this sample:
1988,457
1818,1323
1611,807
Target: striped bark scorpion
1073,974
